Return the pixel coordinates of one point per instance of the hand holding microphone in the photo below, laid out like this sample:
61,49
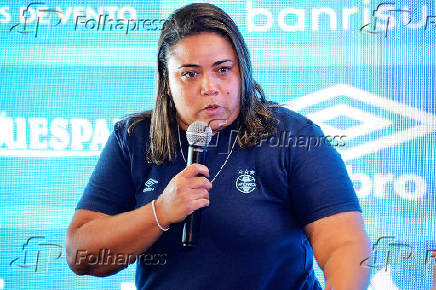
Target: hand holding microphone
185,193
188,191
199,135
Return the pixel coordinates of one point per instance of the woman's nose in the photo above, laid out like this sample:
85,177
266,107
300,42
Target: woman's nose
208,85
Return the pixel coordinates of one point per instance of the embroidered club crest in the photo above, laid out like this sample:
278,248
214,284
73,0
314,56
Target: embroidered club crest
246,182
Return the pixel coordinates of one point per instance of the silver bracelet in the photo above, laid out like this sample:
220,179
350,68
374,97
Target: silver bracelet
155,217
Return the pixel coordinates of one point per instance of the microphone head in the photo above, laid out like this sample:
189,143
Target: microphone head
199,134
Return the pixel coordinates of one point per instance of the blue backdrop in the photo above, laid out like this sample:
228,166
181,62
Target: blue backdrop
362,69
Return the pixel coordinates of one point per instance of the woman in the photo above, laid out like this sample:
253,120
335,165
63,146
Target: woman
261,204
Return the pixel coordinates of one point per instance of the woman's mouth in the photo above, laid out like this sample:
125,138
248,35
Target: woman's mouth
211,109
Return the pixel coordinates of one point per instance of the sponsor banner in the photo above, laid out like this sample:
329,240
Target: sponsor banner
362,70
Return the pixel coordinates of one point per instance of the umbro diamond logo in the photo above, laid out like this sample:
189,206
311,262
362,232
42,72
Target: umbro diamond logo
149,184
370,122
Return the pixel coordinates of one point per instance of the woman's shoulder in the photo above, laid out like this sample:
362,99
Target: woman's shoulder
134,126
290,120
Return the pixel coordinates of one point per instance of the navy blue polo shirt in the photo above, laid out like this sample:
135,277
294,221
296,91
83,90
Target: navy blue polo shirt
251,235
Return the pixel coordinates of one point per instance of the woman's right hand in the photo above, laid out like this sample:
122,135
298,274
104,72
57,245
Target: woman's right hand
185,193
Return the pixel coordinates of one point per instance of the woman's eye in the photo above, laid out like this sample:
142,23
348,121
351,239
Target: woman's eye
189,74
224,69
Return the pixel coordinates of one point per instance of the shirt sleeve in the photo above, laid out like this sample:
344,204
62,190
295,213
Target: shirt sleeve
319,183
110,189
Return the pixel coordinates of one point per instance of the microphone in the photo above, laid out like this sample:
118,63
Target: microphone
199,135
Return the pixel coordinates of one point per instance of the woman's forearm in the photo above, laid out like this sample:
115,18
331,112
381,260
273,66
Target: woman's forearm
106,244
343,269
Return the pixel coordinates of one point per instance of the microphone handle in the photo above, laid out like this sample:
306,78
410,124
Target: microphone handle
191,224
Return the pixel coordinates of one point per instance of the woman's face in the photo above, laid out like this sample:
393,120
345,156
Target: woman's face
204,80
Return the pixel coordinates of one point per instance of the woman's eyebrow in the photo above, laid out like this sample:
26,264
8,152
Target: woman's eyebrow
188,65
214,64
222,61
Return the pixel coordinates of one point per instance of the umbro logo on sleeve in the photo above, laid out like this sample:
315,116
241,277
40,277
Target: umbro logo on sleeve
149,185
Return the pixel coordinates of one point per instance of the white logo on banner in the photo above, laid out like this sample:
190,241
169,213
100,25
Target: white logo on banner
370,133
368,122
59,137
261,17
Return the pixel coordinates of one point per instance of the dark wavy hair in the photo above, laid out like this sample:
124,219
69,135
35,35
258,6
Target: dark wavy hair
255,118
